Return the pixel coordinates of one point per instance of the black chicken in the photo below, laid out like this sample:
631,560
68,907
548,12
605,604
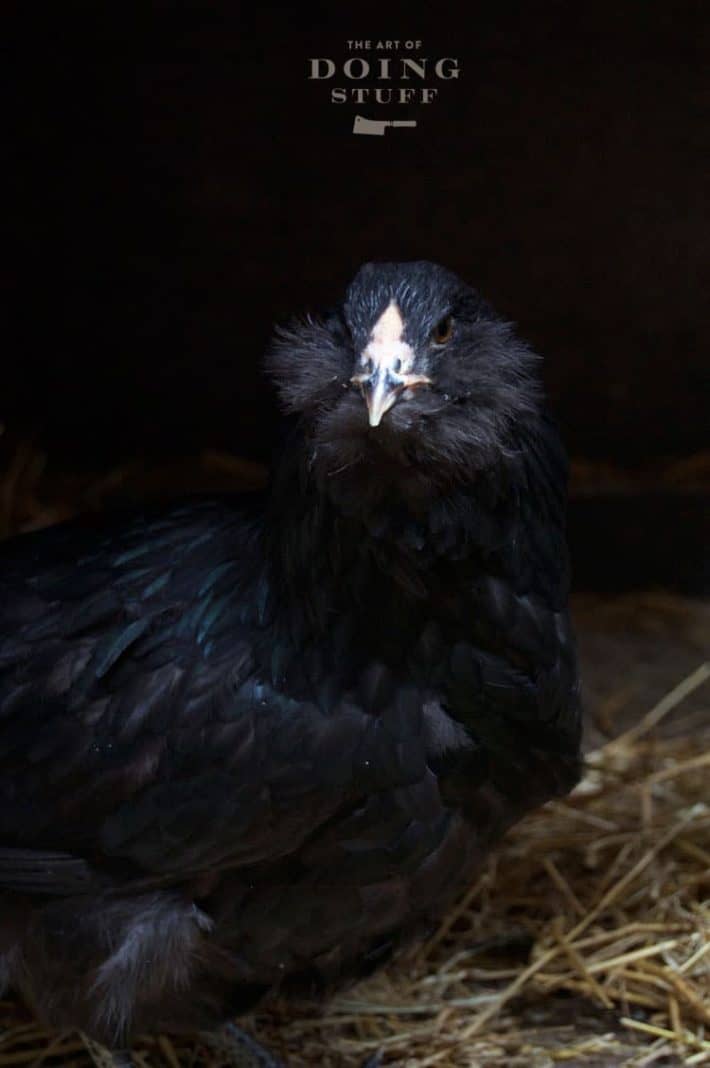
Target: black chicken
251,743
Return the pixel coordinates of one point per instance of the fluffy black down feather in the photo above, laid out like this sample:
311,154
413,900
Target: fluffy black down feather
251,743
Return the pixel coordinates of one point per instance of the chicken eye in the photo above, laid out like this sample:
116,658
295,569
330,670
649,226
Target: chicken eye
442,331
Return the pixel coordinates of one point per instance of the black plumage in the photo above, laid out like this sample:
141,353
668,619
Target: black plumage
251,743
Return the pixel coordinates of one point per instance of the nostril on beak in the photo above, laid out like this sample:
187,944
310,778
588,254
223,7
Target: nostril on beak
368,382
385,378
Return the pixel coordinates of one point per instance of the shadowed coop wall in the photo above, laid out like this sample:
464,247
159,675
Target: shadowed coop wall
178,184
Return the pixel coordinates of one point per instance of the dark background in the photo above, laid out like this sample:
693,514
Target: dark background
177,184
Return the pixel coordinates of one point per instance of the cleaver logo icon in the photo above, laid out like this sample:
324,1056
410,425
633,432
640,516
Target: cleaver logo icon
378,126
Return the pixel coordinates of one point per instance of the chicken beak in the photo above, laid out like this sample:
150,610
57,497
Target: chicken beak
380,390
